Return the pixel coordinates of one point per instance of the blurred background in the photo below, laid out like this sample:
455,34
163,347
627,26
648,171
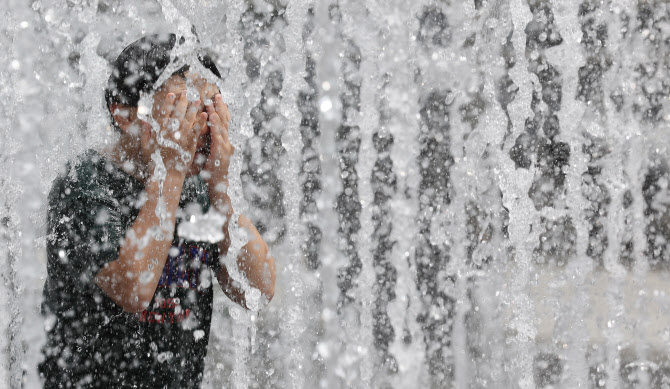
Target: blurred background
458,193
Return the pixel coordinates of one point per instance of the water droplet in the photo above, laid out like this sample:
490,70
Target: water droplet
325,104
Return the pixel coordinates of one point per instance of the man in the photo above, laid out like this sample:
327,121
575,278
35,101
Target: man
128,300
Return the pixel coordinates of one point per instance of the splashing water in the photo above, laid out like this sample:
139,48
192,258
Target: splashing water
457,194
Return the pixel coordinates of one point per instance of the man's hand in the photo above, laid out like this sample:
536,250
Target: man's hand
221,150
180,126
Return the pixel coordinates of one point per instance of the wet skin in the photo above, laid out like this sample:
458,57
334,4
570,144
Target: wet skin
200,128
210,103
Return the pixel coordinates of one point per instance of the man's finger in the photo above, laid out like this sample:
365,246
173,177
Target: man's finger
145,137
200,123
166,109
222,109
191,115
218,128
223,125
180,108
214,118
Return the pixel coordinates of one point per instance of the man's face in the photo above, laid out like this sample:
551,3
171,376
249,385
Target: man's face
193,82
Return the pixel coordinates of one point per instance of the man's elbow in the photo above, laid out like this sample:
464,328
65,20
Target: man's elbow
132,302
134,307
268,293
269,278
129,303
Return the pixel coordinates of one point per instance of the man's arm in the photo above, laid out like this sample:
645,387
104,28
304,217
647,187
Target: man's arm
131,280
254,259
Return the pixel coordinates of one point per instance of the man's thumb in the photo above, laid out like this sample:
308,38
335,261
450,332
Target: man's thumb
146,134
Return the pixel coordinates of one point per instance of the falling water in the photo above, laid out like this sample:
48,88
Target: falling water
457,193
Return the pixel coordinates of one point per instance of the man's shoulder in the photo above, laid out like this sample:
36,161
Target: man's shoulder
88,176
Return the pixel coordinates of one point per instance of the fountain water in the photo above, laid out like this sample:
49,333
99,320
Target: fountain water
458,194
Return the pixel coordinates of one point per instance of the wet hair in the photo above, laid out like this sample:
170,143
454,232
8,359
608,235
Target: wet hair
139,66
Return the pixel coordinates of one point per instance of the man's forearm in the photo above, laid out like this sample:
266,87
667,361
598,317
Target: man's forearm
132,278
253,260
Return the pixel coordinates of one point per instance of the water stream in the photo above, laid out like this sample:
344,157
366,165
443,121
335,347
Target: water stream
458,194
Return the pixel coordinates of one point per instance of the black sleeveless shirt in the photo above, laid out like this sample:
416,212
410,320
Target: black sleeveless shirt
91,341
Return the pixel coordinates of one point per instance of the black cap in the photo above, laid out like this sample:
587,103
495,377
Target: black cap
139,66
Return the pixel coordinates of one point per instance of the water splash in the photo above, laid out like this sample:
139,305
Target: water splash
453,201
